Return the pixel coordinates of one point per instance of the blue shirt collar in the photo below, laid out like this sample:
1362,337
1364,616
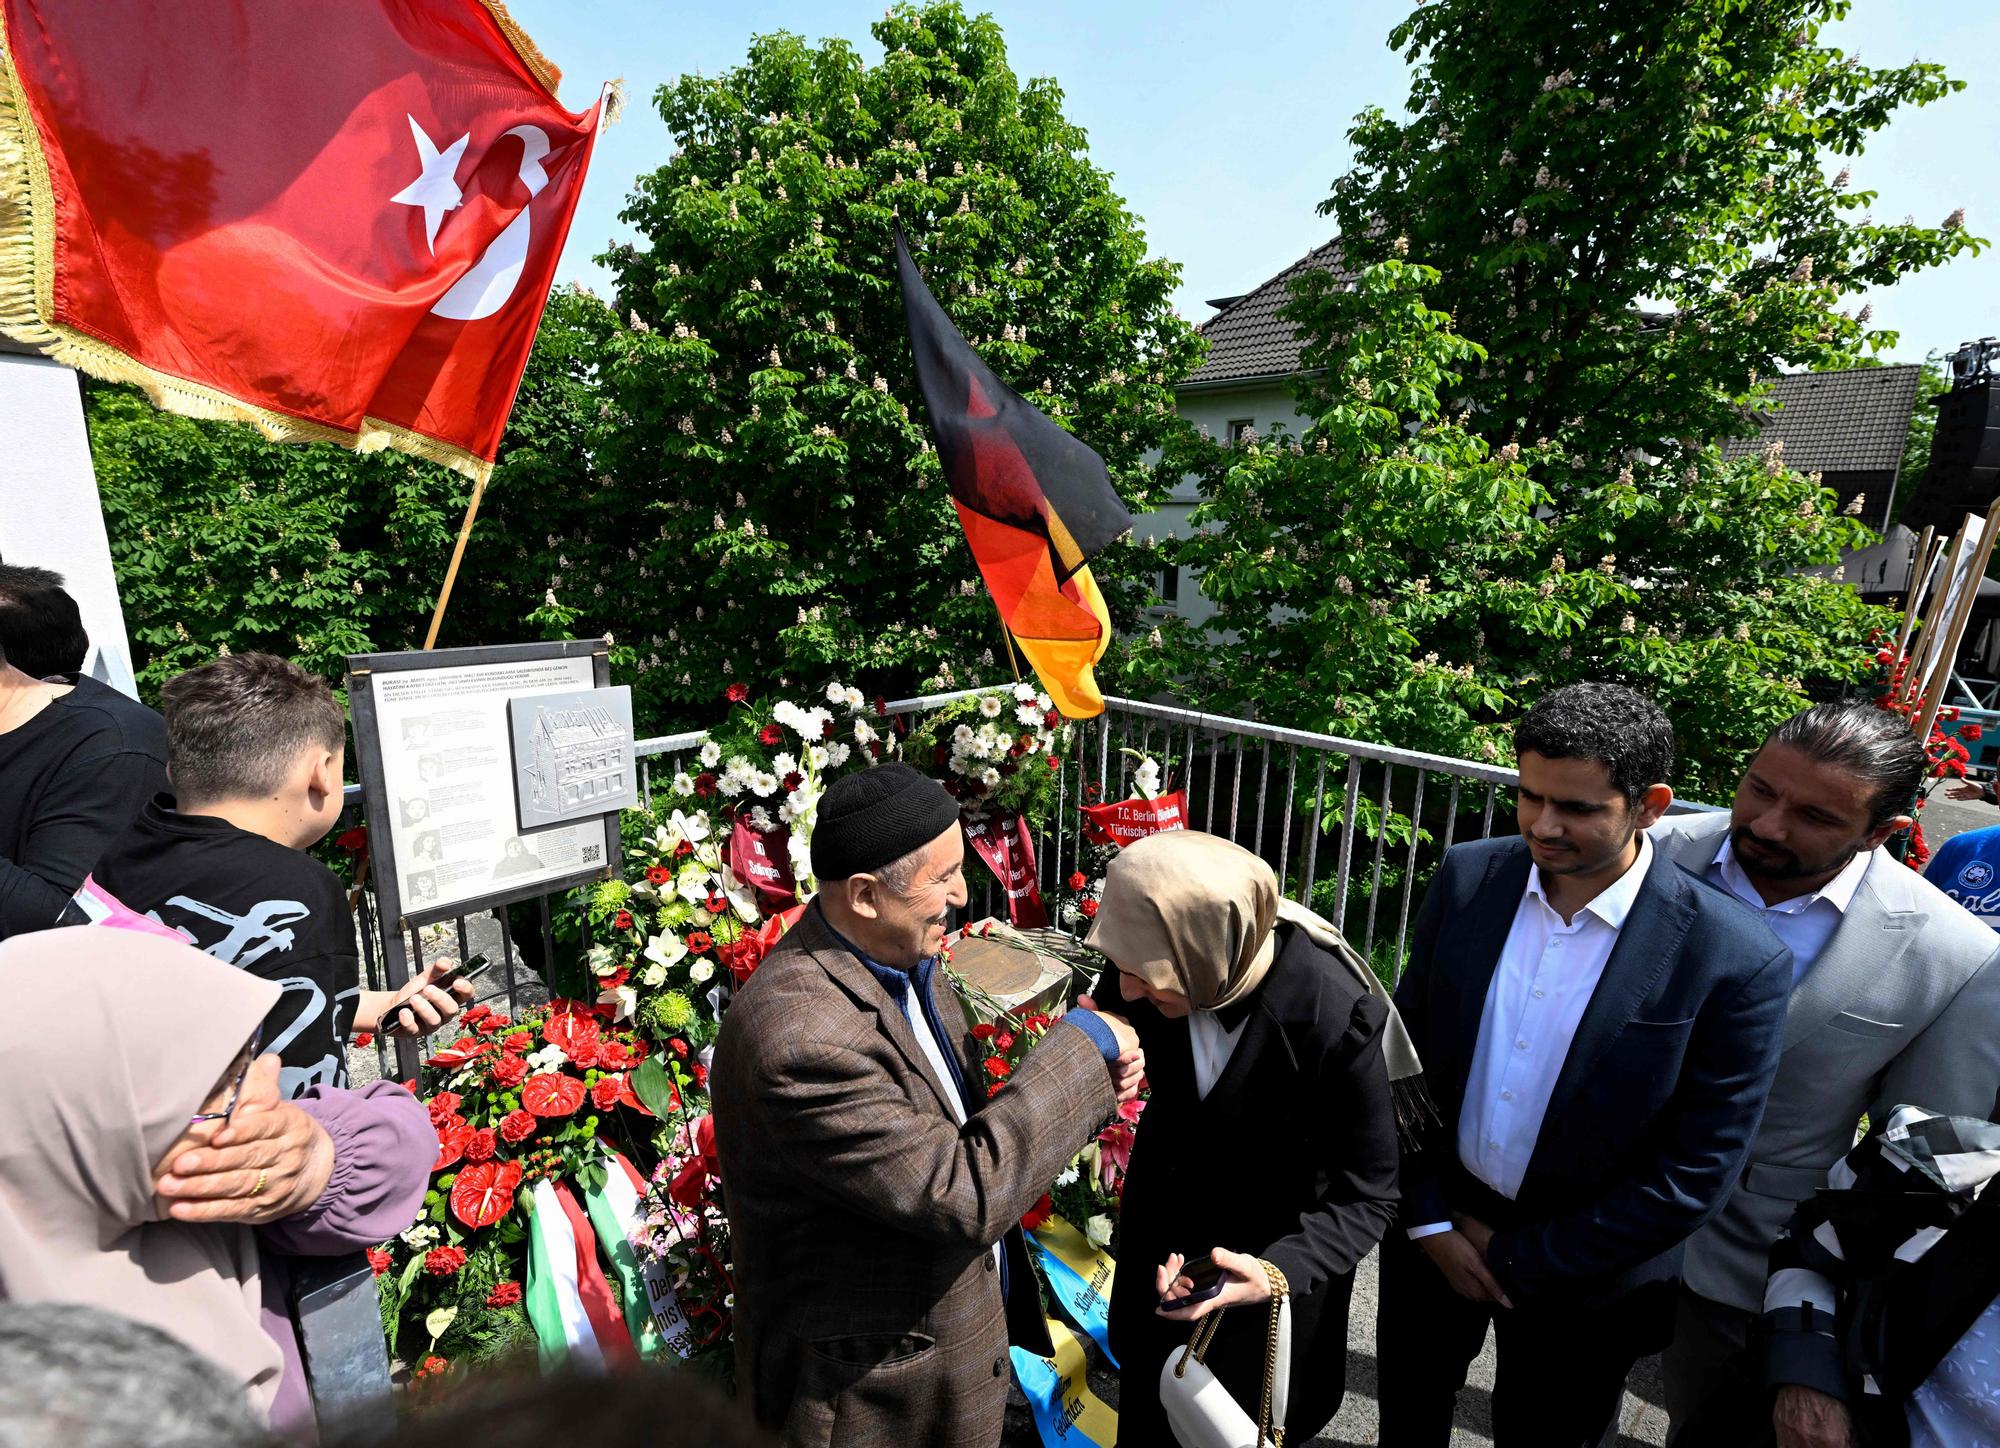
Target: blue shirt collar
896,982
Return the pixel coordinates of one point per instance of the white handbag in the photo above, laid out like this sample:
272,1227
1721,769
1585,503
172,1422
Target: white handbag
1200,1410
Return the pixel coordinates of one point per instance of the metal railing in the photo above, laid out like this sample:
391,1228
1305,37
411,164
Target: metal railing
1352,828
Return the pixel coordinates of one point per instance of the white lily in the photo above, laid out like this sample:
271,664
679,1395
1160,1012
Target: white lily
624,1002
692,828
667,949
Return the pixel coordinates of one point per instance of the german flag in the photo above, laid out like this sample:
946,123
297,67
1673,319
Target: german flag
1037,505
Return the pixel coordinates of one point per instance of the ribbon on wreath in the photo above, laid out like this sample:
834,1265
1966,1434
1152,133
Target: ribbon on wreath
1066,1413
763,861
1002,840
1079,1277
1123,821
573,1309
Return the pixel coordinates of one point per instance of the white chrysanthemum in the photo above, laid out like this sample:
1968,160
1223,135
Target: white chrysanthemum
760,818
549,1058
783,765
420,1237
763,785
1028,714
731,785
711,753
962,734
788,714
854,699
653,977
989,777
740,769
1024,693
1044,703
816,756
836,694
700,971
1067,1176
683,784
818,724
990,706
837,754
864,733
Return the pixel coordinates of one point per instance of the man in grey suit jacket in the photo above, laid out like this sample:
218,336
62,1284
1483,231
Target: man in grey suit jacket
1895,999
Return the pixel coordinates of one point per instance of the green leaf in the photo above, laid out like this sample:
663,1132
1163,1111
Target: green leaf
651,1086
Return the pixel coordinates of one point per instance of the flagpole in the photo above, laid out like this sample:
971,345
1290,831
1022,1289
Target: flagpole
457,554
1008,634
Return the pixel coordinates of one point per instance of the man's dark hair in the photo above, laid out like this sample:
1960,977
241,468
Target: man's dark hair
236,726
1866,740
1619,727
41,629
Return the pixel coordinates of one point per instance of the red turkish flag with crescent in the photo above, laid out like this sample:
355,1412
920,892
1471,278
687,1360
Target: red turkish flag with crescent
337,221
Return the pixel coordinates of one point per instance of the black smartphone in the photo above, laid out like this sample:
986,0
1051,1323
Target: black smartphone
1208,1280
471,970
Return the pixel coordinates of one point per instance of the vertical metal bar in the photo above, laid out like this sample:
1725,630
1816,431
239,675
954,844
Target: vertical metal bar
1353,801
1410,872
1486,820
507,955
548,929
1312,833
1450,816
1375,875
1103,754
1214,767
1062,821
1235,787
1124,743
1289,817
1263,782
410,1049
1187,767
646,783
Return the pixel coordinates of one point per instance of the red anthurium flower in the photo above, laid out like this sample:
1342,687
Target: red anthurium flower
481,1195
736,693
444,1261
451,1142
460,1052
552,1094
576,1034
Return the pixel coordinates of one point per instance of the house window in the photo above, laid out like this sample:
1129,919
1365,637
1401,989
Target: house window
1237,427
1170,585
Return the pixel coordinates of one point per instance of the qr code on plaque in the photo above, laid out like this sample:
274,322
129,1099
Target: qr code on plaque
592,854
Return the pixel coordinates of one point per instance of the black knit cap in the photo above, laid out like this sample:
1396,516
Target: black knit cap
872,817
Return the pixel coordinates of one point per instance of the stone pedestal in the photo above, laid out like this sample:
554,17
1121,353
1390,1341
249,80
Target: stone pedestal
1020,980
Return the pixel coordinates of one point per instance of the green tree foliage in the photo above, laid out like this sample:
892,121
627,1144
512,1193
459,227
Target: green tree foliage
794,519
1391,575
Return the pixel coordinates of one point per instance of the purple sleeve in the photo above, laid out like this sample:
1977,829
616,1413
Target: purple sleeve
383,1147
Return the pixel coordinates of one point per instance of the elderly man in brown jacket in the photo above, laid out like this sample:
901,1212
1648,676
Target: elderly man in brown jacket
874,1192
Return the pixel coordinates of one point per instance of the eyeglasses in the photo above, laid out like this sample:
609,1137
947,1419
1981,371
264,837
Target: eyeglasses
236,1089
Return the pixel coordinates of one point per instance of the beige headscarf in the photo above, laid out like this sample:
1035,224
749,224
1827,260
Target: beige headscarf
1194,913
110,1040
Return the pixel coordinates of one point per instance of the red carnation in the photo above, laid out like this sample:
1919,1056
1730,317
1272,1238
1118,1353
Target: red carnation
519,1044
982,1032
1004,1041
614,1055
1051,719
443,1261
480,1144
1054,763
994,1089
443,1106
363,1039
379,1260
431,1366
510,1070
622,920
997,1066
736,693
1971,732
679,1047
353,841
704,784
881,707
700,1073
1039,1213
770,734
699,941
504,1294
1077,881
516,1126
492,1025
604,1095
658,874
1088,907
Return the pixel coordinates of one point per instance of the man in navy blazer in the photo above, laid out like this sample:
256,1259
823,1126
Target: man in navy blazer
1599,1030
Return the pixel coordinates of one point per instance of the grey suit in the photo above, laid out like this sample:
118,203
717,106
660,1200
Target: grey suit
1902,1006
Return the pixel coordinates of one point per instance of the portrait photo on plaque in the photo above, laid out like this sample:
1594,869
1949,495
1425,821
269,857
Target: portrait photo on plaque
572,757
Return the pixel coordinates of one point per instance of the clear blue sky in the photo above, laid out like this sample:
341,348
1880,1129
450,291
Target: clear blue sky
1225,125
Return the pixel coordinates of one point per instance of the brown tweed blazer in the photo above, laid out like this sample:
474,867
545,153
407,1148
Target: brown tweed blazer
862,1215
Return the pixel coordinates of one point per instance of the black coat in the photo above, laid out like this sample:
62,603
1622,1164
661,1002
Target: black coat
1292,1158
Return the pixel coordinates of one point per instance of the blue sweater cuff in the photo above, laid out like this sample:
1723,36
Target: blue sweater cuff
1100,1034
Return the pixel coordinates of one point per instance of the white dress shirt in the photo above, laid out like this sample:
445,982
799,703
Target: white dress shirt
1805,923
1545,977
920,1028
1212,1046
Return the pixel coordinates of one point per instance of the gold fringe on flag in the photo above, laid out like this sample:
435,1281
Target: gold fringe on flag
27,295
531,56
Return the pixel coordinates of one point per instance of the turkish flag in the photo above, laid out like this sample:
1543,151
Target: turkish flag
337,221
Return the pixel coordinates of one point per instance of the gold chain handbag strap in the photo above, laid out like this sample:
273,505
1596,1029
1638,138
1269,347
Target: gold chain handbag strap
1197,1348
1279,1287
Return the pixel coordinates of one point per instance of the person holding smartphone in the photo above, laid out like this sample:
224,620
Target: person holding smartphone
1270,1133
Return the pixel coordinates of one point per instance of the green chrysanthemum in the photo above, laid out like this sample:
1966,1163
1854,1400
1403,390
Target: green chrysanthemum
610,895
666,1013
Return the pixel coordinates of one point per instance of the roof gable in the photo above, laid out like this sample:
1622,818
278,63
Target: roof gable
1837,422
1247,339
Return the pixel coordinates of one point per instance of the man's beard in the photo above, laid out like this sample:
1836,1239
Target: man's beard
1775,862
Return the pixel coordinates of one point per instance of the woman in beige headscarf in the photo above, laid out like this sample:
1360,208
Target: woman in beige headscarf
149,1167
1271,1130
